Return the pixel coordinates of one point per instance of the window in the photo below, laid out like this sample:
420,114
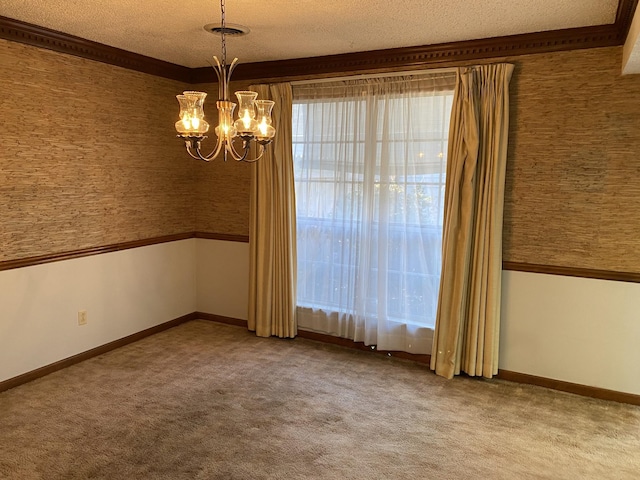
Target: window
370,164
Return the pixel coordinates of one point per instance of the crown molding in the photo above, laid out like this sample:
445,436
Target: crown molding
37,36
427,56
624,17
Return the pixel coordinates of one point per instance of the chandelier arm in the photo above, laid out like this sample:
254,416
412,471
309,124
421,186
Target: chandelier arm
222,80
192,144
197,156
230,70
224,77
196,144
238,157
252,160
246,145
213,154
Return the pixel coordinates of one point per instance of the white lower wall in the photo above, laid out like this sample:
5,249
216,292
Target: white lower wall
222,274
576,330
123,293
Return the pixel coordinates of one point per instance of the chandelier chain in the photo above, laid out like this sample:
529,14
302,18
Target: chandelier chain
223,35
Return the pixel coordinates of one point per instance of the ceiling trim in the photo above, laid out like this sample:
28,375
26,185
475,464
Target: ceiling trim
37,36
428,56
379,60
624,16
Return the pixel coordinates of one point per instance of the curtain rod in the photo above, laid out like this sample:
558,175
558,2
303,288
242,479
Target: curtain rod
374,75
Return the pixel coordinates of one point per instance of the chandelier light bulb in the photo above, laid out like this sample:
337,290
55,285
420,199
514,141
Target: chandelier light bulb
246,123
246,119
191,121
226,129
265,131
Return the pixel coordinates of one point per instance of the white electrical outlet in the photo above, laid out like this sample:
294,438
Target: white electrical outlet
82,317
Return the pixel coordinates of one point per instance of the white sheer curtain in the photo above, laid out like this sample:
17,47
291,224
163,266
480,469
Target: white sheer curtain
369,164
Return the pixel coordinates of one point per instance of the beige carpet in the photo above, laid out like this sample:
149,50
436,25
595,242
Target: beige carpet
211,401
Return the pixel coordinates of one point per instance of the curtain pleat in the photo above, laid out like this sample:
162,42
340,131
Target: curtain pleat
468,319
272,227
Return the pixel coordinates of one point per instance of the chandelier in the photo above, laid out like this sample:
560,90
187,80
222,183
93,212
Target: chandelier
253,124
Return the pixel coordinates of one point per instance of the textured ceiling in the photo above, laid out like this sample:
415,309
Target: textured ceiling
172,30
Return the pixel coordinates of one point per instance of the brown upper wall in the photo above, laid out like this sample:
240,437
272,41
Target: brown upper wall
98,162
573,171
222,188
88,155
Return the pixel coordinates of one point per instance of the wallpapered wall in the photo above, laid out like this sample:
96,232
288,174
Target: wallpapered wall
80,168
573,175
222,188
88,155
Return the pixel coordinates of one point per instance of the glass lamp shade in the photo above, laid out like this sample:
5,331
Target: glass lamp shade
226,128
265,131
192,122
246,123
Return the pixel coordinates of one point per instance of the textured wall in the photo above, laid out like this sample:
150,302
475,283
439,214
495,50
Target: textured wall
79,168
573,175
88,155
222,189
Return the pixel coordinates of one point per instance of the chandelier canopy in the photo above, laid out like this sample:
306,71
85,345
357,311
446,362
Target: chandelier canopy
253,123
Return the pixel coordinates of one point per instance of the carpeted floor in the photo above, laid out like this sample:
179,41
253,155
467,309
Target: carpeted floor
210,401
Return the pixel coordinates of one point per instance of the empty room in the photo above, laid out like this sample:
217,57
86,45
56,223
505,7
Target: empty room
337,239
